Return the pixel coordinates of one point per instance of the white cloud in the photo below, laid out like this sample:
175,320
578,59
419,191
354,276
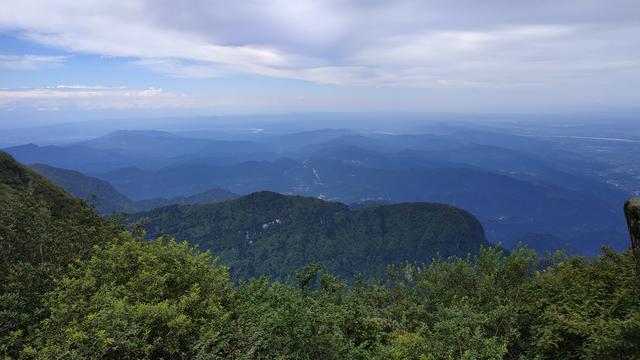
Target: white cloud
85,87
408,43
80,97
29,62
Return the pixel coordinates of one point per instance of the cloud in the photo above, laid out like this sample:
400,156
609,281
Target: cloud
29,62
80,97
493,44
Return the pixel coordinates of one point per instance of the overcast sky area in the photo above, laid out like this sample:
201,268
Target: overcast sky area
87,59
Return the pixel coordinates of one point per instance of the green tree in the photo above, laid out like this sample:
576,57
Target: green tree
135,300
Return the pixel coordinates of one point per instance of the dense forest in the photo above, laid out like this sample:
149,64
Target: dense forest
266,233
75,285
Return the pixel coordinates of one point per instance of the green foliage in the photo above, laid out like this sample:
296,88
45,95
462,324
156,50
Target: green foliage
590,310
42,230
163,299
271,234
139,300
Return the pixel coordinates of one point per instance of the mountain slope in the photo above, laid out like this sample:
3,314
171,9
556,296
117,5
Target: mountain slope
267,233
108,200
20,181
43,230
93,190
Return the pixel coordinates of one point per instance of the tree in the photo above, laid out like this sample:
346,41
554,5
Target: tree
136,300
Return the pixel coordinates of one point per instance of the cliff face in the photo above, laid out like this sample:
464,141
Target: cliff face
632,212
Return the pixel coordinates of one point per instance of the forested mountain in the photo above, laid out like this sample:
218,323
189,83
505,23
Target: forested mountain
42,230
506,206
519,187
20,182
267,233
93,190
75,285
108,200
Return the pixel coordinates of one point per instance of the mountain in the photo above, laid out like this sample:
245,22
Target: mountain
42,229
508,207
42,225
164,144
18,181
147,149
266,233
514,184
206,197
76,157
108,200
299,140
73,285
93,190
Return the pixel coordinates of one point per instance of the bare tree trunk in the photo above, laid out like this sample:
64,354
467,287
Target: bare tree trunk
632,212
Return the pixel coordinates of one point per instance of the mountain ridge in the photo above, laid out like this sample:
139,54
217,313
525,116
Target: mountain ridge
267,233
108,200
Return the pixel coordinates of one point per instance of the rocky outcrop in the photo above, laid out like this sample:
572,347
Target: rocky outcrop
632,212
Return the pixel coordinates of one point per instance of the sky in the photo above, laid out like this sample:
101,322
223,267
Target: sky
64,59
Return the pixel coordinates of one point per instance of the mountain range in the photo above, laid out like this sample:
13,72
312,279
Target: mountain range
520,188
263,233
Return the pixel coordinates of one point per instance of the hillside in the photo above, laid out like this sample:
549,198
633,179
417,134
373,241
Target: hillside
41,223
108,200
267,233
93,190
17,180
42,230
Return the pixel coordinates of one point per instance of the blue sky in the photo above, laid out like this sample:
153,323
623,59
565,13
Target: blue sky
87,59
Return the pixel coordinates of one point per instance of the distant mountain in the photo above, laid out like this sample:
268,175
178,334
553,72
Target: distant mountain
93,190
206,197
76,157
108,200
304,139
148,149
164,144
508,207
514,184
266,233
